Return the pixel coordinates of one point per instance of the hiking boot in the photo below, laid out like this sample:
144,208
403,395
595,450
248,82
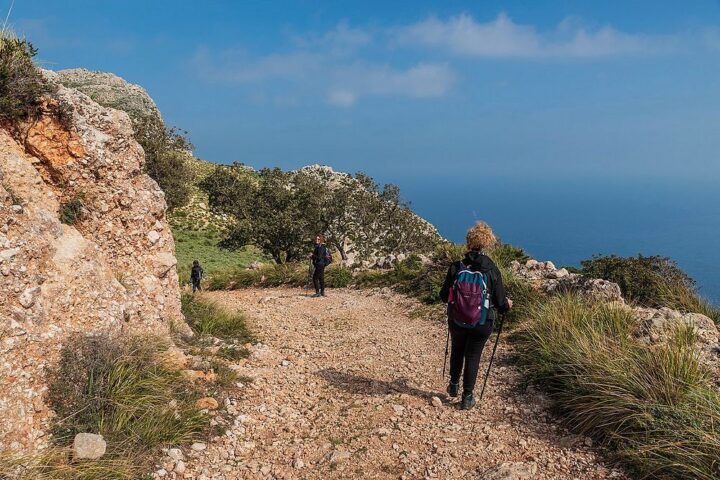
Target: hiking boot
322,294
468,401
452,389
317,294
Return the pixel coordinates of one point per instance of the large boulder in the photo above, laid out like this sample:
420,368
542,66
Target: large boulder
105,273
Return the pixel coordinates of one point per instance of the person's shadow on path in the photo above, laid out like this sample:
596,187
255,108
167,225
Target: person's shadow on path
361,385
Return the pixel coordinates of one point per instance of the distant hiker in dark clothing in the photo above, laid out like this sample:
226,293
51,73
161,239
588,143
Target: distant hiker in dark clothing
196,275
474,292
321,258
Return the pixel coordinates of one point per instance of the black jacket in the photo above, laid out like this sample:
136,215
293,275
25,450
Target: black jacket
478,261
196,273
319,254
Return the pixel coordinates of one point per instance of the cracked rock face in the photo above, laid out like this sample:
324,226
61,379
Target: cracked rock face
112,271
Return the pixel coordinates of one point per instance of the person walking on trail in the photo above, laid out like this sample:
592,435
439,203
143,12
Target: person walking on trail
474,292
196,276
321,258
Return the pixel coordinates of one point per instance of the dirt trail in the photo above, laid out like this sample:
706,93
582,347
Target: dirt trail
343,388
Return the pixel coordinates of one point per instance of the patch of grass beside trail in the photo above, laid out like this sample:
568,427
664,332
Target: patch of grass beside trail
654,405
203,246
121,389
276,275
207,317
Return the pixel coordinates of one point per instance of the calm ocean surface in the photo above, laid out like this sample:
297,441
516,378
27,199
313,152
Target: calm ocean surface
566,222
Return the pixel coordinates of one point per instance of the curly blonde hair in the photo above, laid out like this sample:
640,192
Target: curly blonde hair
480,237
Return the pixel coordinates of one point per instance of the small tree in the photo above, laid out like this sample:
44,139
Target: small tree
280,211
167,151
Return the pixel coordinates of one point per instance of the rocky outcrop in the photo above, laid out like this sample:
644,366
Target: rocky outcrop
112,91
552,280
654,326
112,271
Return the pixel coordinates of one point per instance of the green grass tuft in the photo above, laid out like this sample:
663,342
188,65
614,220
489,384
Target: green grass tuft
654,405
71,212
118,388
207,317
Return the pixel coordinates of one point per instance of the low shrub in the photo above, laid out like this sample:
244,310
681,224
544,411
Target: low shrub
338,276
167,159
207,317
117,388
653,405
640,278
651,281
71,212
22,86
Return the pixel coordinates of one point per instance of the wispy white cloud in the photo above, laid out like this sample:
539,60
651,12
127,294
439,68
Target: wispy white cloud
502,37
423,80
341,98
333,66
342,82
342,40
237,66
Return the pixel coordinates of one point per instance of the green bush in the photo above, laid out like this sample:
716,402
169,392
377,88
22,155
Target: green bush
337,276
118,388
653,405
651,281
167,159
640,278
207,317
71,212
22,86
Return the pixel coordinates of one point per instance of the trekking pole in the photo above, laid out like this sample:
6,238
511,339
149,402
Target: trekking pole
311,272
497,340
447,343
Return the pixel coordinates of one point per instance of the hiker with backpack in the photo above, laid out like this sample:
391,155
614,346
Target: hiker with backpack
474,292
321,258
196,275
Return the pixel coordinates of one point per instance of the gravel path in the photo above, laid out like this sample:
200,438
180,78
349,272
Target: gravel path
343,388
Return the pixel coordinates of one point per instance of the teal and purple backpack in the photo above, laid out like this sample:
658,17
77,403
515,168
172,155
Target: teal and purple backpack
469,298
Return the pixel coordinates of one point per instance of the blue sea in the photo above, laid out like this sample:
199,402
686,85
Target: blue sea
567,221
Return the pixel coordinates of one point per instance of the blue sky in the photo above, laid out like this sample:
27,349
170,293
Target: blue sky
402,90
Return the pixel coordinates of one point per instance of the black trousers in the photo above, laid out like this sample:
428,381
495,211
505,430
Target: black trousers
319,278
467,347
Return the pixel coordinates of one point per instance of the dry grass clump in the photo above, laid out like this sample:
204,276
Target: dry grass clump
118,388
654,405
